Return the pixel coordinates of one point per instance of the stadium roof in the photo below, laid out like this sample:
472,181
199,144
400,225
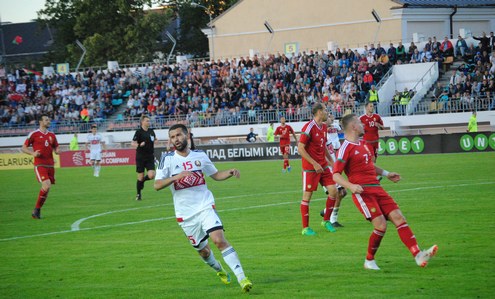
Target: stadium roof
445,3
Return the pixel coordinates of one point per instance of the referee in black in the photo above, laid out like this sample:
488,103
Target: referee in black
144,141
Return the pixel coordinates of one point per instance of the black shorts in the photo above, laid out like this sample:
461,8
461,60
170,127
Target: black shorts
147,162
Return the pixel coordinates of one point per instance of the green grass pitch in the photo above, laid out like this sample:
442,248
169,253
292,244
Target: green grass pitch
129,249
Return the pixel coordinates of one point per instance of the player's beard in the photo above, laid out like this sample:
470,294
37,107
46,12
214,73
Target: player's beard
181,146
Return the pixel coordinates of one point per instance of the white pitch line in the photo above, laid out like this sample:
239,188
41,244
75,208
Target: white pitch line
226,210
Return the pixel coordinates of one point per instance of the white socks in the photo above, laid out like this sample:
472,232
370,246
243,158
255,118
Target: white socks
335,215
212,262
232,260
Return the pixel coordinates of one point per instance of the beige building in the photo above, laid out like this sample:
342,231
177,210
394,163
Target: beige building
269,26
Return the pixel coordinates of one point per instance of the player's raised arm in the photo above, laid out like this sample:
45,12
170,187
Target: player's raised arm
226,174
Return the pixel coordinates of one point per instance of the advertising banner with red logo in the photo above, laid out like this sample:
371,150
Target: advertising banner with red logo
109,157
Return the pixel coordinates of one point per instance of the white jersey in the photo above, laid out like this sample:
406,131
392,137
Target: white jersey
95,141
191,195
333,135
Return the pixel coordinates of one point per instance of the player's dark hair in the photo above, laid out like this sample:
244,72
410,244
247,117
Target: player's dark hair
317,107
179,126
346,120
368,102
43,115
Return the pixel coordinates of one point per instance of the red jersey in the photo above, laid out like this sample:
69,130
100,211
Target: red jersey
370,129
356,160
45,143
284,132
314,139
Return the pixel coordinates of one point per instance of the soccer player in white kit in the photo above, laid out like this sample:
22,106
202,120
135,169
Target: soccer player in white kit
95,144
184,171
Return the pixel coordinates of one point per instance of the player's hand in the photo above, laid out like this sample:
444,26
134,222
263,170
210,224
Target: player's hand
318,168
393,176
36,153
142,144
183,174
356,189
235,172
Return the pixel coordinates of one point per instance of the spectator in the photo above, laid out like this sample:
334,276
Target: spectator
484,42
251,137
446,48
460,46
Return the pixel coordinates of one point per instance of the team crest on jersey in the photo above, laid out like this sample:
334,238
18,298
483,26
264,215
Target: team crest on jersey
373,210
197,163
309,186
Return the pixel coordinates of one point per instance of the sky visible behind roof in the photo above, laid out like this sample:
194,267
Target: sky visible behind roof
20,11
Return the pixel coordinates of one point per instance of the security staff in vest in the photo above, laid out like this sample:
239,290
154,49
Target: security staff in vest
373,95
405,97
144,141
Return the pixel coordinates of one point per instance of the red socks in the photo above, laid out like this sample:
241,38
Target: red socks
329,208
41,198
408,238
305,213
375,240
286,163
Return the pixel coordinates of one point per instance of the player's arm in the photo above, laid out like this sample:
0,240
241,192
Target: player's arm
393,176
163,183
226,174
339,179
302,151
25,149
294,134
379,124
135,141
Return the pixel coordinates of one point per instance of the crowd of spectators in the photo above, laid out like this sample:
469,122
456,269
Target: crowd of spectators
210,92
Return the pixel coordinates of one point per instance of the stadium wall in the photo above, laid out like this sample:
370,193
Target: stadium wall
397,145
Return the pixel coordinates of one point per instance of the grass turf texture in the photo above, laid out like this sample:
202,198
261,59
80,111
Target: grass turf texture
137,250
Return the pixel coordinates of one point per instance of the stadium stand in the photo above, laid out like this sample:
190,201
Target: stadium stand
236,91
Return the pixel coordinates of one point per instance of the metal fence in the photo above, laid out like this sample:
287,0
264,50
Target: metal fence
194,120
432,106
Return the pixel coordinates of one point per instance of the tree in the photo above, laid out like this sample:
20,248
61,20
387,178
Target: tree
118,30
191,40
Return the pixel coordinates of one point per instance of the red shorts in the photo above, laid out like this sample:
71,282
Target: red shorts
312,178
374,202
373,147
45,173
285,149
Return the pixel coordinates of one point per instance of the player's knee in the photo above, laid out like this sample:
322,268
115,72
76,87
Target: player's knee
380,223
46,186
151,175
220,242
205,252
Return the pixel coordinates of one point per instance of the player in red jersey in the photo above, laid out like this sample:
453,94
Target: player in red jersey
316,168
44,143
372,123
355,159
284,132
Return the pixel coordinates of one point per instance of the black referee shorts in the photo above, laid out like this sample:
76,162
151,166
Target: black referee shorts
147,162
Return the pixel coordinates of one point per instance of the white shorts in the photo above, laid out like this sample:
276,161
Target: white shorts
95,155
198,228
336,144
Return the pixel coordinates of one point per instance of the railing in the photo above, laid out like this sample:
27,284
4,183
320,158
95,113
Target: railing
432,106
194,120
420,90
